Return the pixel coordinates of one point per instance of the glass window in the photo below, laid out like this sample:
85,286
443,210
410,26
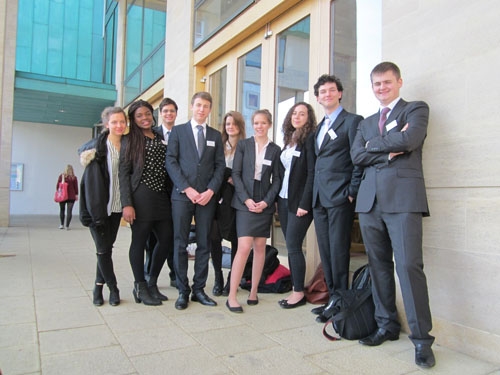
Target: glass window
249,85
344,46
218,90
61,39
292,71
145,46
211,15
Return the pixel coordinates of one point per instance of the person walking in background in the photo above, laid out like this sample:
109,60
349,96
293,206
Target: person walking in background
295,196
336,183
195,163
100,205
168,113
256,178
391,202
145,199
67,205
224,225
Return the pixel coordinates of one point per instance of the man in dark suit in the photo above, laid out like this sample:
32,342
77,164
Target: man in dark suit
195,162
336,182
168,113
391,202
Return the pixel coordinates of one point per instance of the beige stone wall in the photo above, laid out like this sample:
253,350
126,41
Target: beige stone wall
8,25
449,52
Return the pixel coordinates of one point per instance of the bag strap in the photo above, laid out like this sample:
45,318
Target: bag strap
344,314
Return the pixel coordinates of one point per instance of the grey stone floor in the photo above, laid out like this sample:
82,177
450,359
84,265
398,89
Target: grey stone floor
48,324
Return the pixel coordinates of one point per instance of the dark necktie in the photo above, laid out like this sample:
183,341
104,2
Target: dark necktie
167,136
383,119
201,140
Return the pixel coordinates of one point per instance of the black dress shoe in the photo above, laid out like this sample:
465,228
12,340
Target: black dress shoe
287,305
424,357
201,297
237,309
318,310
378,337
182,301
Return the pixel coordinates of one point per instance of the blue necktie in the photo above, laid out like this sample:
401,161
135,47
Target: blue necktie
201,140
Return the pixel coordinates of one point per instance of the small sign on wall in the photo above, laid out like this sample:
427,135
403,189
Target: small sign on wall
16,176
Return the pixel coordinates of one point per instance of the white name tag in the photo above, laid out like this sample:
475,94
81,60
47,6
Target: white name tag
332,134
164,142
296,154
211,143
266,162
391,125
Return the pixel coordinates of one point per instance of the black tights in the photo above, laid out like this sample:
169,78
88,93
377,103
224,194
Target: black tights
69,211
216,247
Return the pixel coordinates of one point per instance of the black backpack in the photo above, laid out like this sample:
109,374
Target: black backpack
353,314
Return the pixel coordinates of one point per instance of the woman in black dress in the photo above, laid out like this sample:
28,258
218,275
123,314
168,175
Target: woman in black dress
256,178
145,199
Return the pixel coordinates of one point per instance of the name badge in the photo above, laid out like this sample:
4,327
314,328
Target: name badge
266,162
332,134
391,125
296,154
164,142
211,143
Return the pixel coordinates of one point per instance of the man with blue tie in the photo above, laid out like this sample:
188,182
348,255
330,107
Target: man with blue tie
336,182
195,162
391,203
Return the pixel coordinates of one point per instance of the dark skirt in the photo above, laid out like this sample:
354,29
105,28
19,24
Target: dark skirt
250,224
151,205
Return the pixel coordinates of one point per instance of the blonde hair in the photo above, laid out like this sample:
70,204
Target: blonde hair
68,171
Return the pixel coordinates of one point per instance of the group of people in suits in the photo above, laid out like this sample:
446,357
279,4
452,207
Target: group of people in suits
345,164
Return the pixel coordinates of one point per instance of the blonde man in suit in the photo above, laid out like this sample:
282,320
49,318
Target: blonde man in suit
195,163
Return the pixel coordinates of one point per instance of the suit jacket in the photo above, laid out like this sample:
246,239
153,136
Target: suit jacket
184,166
244,172
300,184
398,184
335,176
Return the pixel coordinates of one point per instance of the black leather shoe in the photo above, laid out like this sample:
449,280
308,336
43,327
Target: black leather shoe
236,309
378,337
321,318
252,302
182,301
318,310
201,297
424,357
287,305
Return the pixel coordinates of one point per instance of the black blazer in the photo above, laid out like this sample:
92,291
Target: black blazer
244,171
300,185
184,166
335,176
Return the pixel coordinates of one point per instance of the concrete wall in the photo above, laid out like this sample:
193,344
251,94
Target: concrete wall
448,52
45,150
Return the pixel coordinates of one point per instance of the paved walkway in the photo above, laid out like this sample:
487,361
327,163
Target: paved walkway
48,324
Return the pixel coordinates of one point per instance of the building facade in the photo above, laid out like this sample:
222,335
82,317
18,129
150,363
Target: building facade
268,54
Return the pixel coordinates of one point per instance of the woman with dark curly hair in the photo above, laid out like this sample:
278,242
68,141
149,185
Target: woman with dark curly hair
295,196
145,199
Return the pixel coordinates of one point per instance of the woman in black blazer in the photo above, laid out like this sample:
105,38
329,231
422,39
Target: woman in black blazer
295,196
145,199
224,224
256,178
